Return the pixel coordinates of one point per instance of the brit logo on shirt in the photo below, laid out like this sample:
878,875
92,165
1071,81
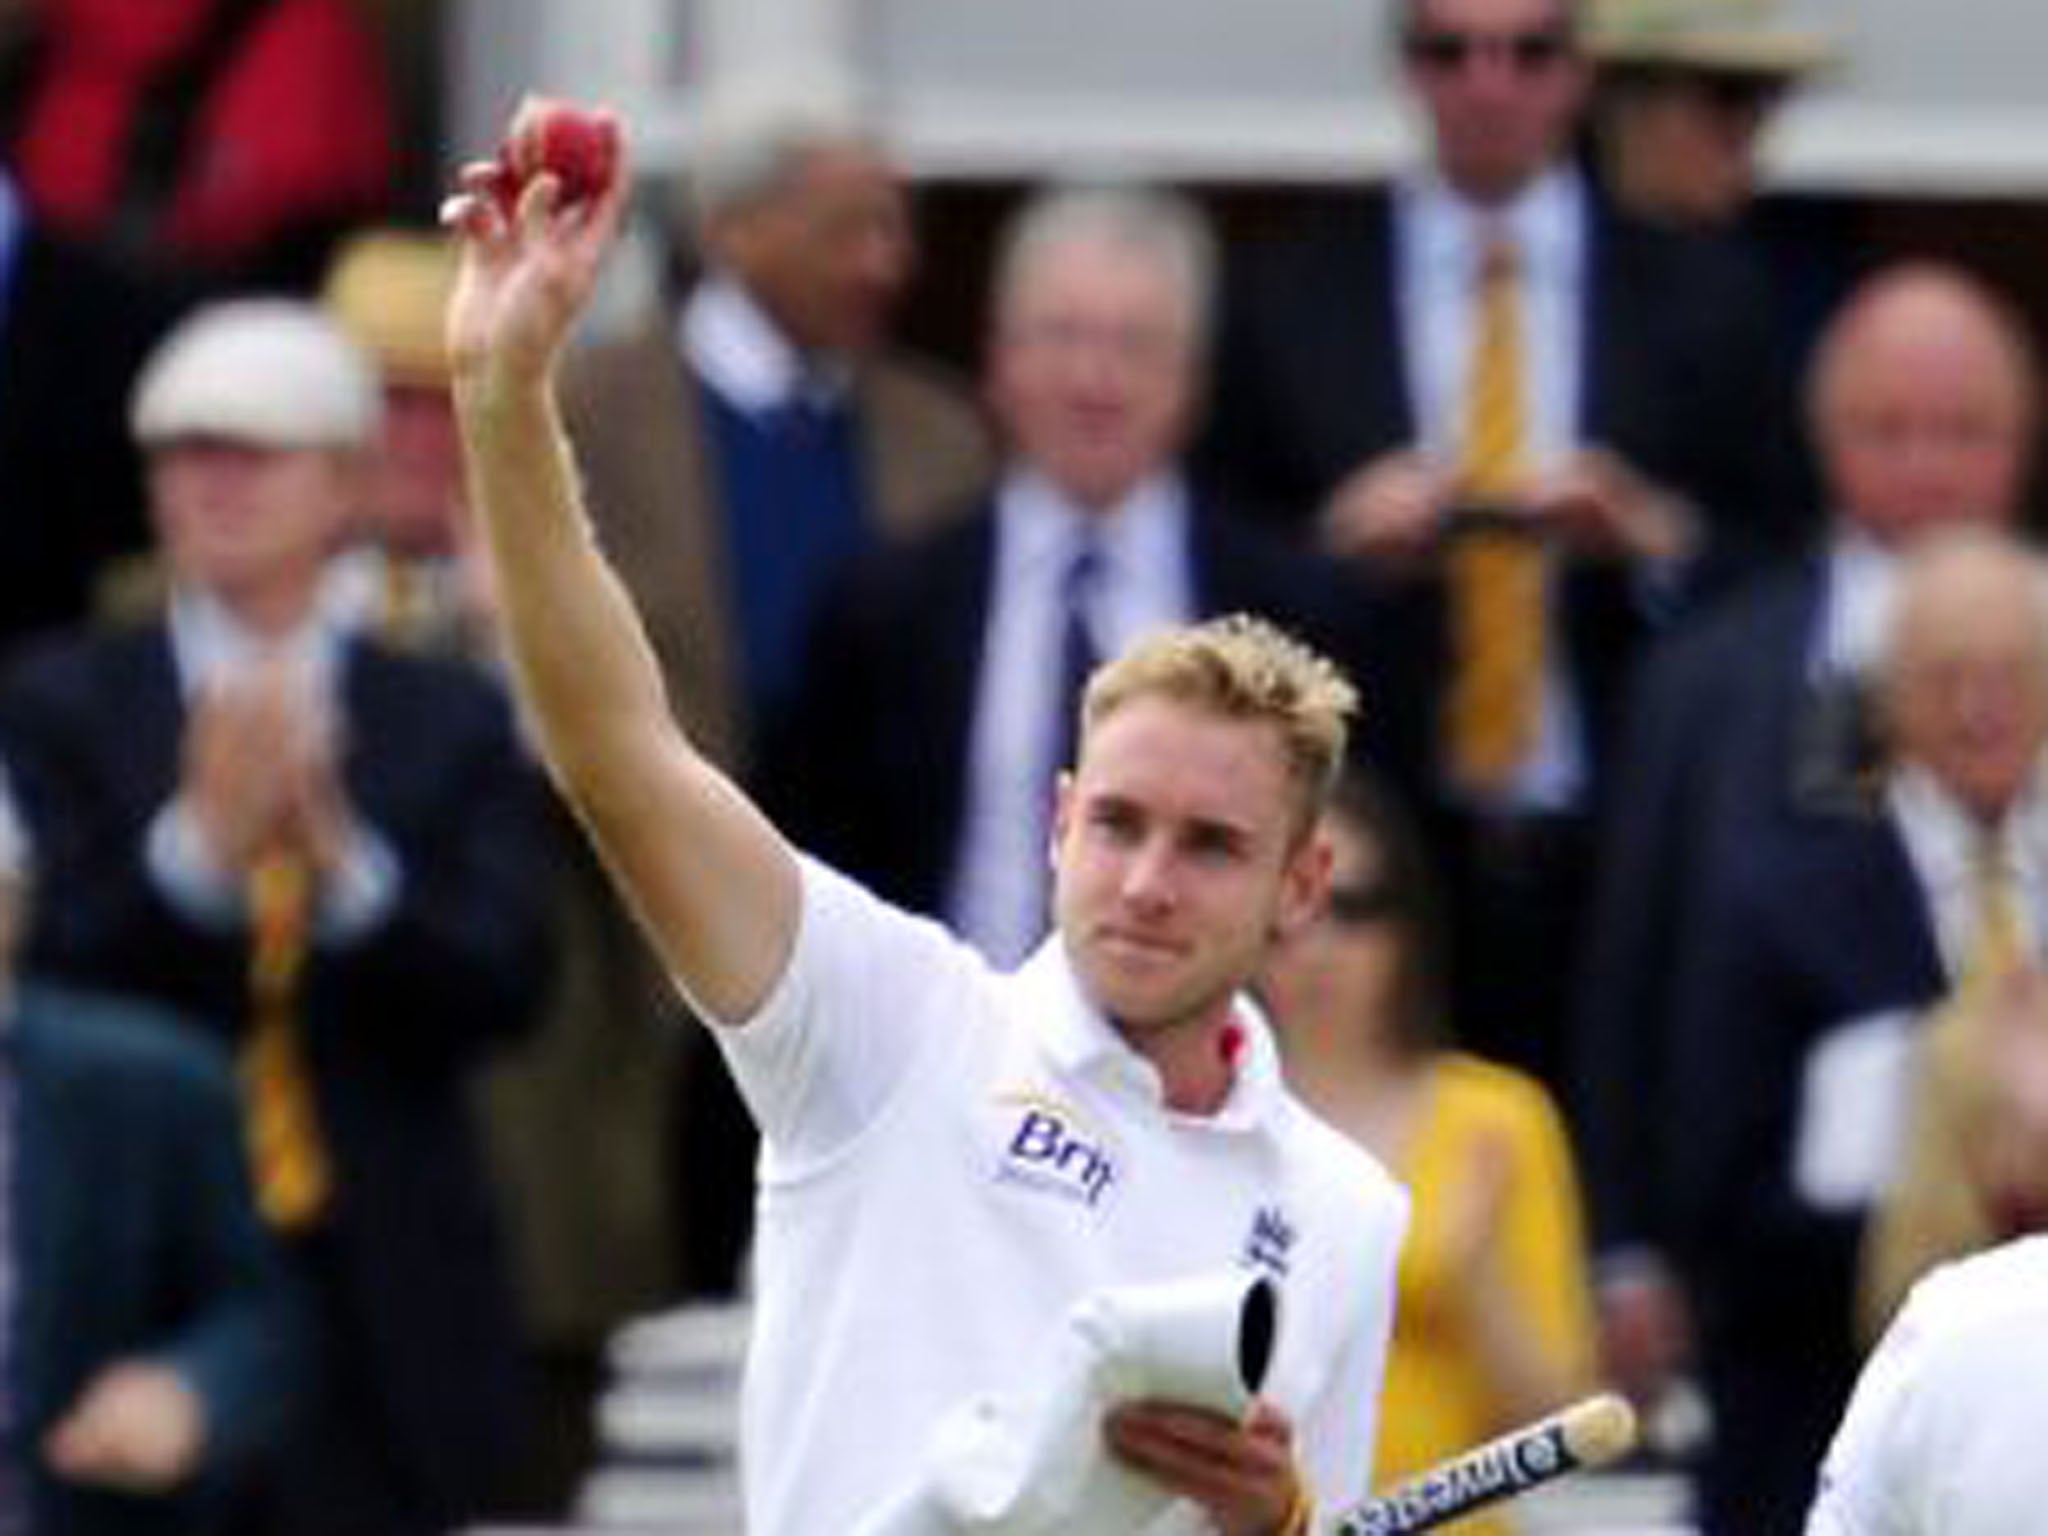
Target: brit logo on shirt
1270,1243
1048,1147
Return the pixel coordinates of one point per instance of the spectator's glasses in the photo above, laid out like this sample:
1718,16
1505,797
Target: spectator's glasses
1360,906
1529,52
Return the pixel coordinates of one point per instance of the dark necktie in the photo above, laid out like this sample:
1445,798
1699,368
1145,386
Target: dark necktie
1076,657
1078,654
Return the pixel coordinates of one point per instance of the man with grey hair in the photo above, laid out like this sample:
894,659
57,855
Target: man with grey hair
739,446
943,675
1828,950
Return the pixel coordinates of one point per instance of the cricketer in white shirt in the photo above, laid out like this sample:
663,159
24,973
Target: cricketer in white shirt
1944,1432
954,1156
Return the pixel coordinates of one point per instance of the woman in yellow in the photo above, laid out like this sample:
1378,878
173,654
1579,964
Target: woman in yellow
1494,1325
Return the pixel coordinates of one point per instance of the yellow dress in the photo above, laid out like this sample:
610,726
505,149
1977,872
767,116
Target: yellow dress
1436,1401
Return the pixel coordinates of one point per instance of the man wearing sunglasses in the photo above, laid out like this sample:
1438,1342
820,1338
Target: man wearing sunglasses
1635,462
1501,85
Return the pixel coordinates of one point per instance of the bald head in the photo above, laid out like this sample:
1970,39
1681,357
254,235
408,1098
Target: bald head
1965,673
1922,400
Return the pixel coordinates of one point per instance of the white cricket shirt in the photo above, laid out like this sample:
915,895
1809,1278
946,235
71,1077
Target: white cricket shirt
952,1157
1945,1431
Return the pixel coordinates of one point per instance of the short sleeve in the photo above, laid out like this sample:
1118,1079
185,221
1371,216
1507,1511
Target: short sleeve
868,992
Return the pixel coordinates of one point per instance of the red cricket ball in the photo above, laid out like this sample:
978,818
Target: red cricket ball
580,149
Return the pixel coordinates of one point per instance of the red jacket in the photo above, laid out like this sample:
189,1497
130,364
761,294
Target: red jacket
293,128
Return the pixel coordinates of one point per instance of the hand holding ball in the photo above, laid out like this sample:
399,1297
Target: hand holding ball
579,148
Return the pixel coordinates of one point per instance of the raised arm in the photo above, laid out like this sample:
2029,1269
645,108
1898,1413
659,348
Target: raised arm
711,880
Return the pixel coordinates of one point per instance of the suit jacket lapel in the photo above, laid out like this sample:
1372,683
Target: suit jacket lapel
1385,391
639,418
1228,571
1606,363
1898,918
144,689
920,467
1831,750
964,592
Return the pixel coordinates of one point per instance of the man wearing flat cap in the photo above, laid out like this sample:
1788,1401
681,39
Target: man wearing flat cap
329,851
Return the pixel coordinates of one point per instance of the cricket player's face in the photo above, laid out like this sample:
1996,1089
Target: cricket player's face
1178,858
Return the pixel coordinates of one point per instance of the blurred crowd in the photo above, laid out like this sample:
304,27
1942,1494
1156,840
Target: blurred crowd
1687,955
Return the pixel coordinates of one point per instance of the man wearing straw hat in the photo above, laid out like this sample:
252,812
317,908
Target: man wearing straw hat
1685,88
408,577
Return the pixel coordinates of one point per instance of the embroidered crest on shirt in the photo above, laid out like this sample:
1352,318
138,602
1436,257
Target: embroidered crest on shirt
1049,1147
1270,1243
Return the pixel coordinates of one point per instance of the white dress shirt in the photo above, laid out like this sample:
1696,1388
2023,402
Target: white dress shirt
1441,240
1857,591
734,346
996,897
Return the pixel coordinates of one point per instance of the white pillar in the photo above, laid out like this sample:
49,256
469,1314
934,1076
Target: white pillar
818,40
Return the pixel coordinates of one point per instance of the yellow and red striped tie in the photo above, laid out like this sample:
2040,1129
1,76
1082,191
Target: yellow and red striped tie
287,1157
1496,573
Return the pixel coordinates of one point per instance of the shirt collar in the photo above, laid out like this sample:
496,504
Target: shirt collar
209,644
1546,219
1081,1042
1945,837
739,351
1861,578
1042,526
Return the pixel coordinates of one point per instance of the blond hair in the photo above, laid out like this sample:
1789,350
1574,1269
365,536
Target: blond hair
1241,668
